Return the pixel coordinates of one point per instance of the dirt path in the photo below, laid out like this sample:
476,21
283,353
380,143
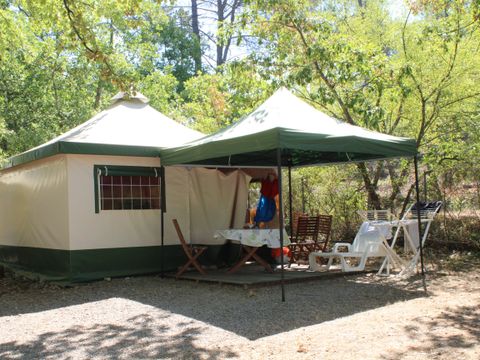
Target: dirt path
351,317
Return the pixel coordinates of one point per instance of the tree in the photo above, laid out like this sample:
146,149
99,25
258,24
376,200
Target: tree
351,64
61,61
196,33
221,16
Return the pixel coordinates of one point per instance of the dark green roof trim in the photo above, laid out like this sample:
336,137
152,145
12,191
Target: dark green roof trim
298,149
67,147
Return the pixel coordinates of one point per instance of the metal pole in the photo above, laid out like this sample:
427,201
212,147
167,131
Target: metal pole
303,195
163,209
280,218
290,198
417,190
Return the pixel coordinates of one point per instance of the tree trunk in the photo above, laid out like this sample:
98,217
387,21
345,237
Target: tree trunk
220,19
373,197
196,32
99,91
98,95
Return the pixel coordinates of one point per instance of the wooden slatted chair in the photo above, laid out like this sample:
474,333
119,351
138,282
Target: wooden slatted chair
306,234
323,236
296,215
192,252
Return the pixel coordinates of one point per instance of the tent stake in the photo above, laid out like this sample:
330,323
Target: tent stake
419,221
280,218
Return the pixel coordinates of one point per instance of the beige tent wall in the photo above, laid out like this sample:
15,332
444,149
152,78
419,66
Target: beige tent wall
217,201
116,228
50,204
34,205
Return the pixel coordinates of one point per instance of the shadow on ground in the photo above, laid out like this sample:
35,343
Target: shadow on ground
434,341
259,311
140,339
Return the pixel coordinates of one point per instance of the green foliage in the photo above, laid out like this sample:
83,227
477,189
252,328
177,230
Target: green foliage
330,190
213,101
61,61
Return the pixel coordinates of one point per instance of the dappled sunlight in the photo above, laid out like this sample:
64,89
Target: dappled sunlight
150,317
251,314
138,337
450,332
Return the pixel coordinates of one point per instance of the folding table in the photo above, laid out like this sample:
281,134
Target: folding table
251,240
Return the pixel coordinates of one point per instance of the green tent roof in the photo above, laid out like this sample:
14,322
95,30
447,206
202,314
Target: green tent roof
129,127
305,136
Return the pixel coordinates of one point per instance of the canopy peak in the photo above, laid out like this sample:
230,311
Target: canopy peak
128,96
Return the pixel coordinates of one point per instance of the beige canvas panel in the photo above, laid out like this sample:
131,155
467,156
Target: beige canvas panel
121,228
34,205
217,201
178,205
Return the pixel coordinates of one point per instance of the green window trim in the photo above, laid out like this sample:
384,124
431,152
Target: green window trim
119,170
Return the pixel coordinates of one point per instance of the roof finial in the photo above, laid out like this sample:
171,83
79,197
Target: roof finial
132,94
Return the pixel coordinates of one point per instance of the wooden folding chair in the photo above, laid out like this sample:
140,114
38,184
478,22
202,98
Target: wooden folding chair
312,233
323,234
192,252
305,235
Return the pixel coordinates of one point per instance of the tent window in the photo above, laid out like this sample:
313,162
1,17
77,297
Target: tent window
129,192
126,188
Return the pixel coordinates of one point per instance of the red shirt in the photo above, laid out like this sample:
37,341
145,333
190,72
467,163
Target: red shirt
269,188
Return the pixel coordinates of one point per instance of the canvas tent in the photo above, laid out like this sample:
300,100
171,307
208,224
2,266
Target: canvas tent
57,220
286,131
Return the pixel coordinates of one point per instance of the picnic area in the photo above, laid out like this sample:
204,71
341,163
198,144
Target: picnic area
239,179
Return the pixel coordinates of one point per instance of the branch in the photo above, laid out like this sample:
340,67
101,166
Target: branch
378,172
459,100
454,158
70,15
452,63
330,85
399,115
434,113
209,37
22,10
404,45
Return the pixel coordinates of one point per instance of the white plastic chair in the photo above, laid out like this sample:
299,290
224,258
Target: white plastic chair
372,215
368,243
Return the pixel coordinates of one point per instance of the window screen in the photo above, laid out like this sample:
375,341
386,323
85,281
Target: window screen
126,188
129,192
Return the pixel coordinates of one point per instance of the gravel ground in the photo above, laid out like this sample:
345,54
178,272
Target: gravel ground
350,317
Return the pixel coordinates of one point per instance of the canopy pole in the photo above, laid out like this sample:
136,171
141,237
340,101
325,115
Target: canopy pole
290,198
163,209
303,195
280,218
419,220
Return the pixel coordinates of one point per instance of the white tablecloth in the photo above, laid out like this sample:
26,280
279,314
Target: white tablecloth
255,237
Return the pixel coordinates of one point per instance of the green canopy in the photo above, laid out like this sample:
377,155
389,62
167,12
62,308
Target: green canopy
305,136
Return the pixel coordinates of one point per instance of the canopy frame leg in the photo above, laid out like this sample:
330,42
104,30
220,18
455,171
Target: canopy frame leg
280,221
163,210
419,221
